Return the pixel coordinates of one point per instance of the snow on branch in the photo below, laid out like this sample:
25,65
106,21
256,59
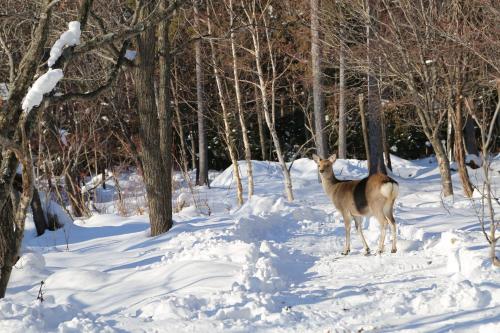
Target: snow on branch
43,85
71,37
48,81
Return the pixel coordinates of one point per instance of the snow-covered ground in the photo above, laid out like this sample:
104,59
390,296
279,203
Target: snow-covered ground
268,266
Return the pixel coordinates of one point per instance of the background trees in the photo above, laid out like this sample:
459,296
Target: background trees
237,69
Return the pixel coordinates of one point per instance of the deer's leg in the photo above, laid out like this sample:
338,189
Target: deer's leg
358,220
392,222
383,226
347,225
388,213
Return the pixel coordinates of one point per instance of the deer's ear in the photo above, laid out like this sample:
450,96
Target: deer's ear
332,158
316,158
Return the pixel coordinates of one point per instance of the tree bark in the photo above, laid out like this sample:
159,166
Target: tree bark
8,251
157,187
239,104
165,115
364,128
262,136
460,150
444,165
202,134
470,137
376,156
318,98
385,144
38,215
342,116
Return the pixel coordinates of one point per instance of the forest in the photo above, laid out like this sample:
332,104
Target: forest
158,119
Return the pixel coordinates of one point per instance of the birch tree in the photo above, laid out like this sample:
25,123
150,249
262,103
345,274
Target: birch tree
268,99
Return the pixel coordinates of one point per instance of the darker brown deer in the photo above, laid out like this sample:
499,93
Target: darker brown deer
355,199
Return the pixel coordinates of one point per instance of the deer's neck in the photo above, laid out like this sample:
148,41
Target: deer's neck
329,182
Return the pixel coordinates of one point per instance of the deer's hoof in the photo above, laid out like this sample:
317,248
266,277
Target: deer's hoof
394,250
367,252
345,252
379,251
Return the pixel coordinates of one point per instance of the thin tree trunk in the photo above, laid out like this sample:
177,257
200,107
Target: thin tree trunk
318,98
342,116
202,134
460,150
376,156
193,155
262,137
269,116
225,116
449,136
244,130
364,128
180,130
385,144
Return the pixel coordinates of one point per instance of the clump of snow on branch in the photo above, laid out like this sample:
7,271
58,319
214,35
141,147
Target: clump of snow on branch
48,81
71,37
43,85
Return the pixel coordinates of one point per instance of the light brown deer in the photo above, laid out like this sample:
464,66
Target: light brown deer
370,196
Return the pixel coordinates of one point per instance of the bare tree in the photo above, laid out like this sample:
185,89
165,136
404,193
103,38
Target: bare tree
317,73
486,126
239,103
374,118
268,104
202,134
228,128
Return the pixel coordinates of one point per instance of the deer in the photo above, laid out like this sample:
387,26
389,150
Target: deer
354,199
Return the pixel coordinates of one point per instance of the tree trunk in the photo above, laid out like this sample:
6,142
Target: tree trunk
225,117
385,144
202,134
38,214
165,115
156,183
269,116
449,136
376,156
180,130
318,98
470,137
342,116
8,251
364,128
262,137
239,104
444,165
460,150
74,193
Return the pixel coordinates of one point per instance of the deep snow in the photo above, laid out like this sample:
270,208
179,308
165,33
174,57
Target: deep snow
268,266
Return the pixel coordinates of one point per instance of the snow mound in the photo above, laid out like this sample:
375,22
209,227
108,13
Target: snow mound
262,171
456,295
32,261
47,317
76,279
